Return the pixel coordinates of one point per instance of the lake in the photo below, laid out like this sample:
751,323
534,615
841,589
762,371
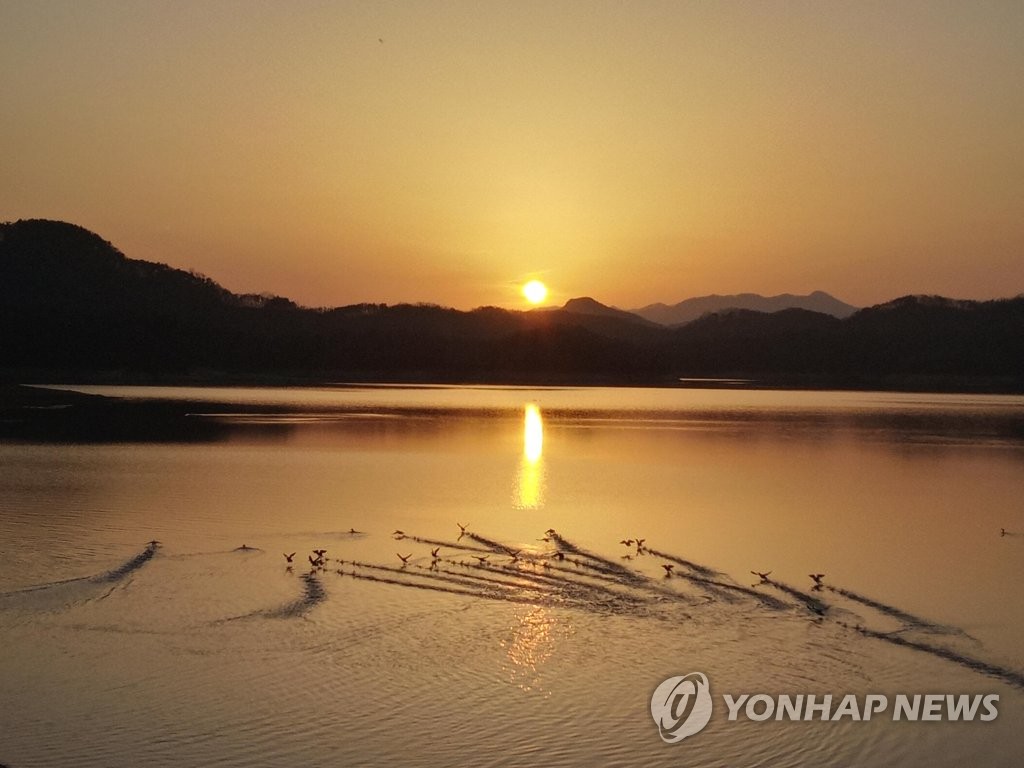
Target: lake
521,630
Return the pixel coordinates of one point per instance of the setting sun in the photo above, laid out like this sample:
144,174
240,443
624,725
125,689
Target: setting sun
535,291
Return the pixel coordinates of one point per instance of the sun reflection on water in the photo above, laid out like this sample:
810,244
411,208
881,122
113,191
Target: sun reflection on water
533,643
529,492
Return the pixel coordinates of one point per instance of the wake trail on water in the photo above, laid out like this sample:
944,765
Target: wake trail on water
447,544
1007,675
812,603
703,570
65,594
313,593
908,619
128,567
594,561
575,577
495,582
567,574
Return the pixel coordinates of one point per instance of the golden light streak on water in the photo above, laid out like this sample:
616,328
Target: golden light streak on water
530,479
533,433
535,640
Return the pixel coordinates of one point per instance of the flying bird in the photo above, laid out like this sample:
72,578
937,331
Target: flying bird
764,576
817,577
668,568
627,542
434,551
481,558
289,557
404,558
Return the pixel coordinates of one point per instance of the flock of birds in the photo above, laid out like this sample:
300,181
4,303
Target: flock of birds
573,576
318,559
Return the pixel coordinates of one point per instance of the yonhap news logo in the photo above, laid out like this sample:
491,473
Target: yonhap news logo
681,706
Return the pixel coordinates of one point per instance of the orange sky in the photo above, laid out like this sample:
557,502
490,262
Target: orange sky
338,152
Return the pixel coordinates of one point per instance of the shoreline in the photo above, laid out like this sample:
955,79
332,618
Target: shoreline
905,383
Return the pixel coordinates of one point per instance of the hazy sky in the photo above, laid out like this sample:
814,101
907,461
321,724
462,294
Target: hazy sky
338,152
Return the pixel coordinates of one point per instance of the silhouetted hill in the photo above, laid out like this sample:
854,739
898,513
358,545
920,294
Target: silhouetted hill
905,342
588,306
73,307
690,309
746,343
612,323
932,335
71,302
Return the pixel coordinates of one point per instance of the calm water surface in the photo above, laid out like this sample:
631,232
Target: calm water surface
197,652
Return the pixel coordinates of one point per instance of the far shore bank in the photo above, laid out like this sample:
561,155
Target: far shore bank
996,385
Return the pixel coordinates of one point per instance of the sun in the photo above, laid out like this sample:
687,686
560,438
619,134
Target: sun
535,291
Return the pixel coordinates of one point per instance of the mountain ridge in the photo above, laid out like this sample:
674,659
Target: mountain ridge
72,306
690,309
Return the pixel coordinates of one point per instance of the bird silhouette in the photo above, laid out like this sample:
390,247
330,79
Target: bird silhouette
404,558
434,551
764,576
627,542
481,558
817,577
668,568
289,557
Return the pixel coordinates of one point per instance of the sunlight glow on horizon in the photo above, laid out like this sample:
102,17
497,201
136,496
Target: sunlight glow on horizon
652,151
535,291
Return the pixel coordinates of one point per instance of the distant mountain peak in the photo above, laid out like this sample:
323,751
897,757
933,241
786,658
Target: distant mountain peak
585,305
690,309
